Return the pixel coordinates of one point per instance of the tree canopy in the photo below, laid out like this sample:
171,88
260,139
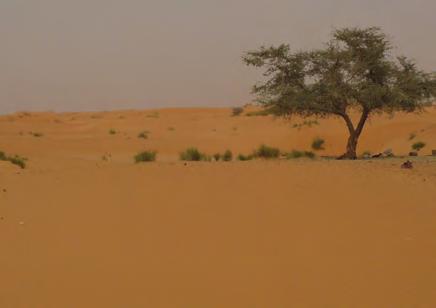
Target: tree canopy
355,71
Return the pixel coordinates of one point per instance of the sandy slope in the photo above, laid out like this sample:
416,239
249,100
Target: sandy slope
77,231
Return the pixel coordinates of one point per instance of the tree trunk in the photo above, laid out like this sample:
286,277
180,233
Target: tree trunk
351,147
354,135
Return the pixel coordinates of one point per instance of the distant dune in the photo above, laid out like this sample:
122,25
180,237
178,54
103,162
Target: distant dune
83,226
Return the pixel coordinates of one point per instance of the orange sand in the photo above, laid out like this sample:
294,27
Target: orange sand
77,231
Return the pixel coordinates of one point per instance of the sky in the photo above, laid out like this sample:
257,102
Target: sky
83,55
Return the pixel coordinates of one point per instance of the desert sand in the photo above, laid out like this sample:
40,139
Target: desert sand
77,230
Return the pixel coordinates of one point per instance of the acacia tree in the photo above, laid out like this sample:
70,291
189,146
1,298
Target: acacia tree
354,72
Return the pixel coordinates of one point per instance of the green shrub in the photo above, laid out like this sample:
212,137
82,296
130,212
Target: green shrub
242,157
237,111
217,156
228,155
16,160
300,154
112,131
267,152
318,144
192,154
145,156
143,135
417,146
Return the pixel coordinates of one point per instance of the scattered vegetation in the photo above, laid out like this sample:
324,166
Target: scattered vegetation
16,160
145,156
112,131
267,152
143,134
171,129
412,136
300,154
318,144
417,146
192,154
236,111
308,123
217,156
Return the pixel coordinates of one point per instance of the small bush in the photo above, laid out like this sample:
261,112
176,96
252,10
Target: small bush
217,156
242,157
237,111
267,152
192,154
318,144
112,131
417,146
143,135
16,160
145,156
300,154
228,155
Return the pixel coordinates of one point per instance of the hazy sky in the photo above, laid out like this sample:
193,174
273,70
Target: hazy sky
106,54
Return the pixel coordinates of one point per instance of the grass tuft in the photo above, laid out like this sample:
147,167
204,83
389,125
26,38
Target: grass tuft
146,156
266,152
192,154
318,144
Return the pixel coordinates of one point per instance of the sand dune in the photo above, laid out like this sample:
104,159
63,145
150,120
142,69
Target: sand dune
79,231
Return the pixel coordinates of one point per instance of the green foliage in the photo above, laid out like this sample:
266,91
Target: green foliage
259,113
16,160
300,154
318,144
243,157
192,154
145,156
267,152
228,155
355,71
417,146
237,111
112,131
143,134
